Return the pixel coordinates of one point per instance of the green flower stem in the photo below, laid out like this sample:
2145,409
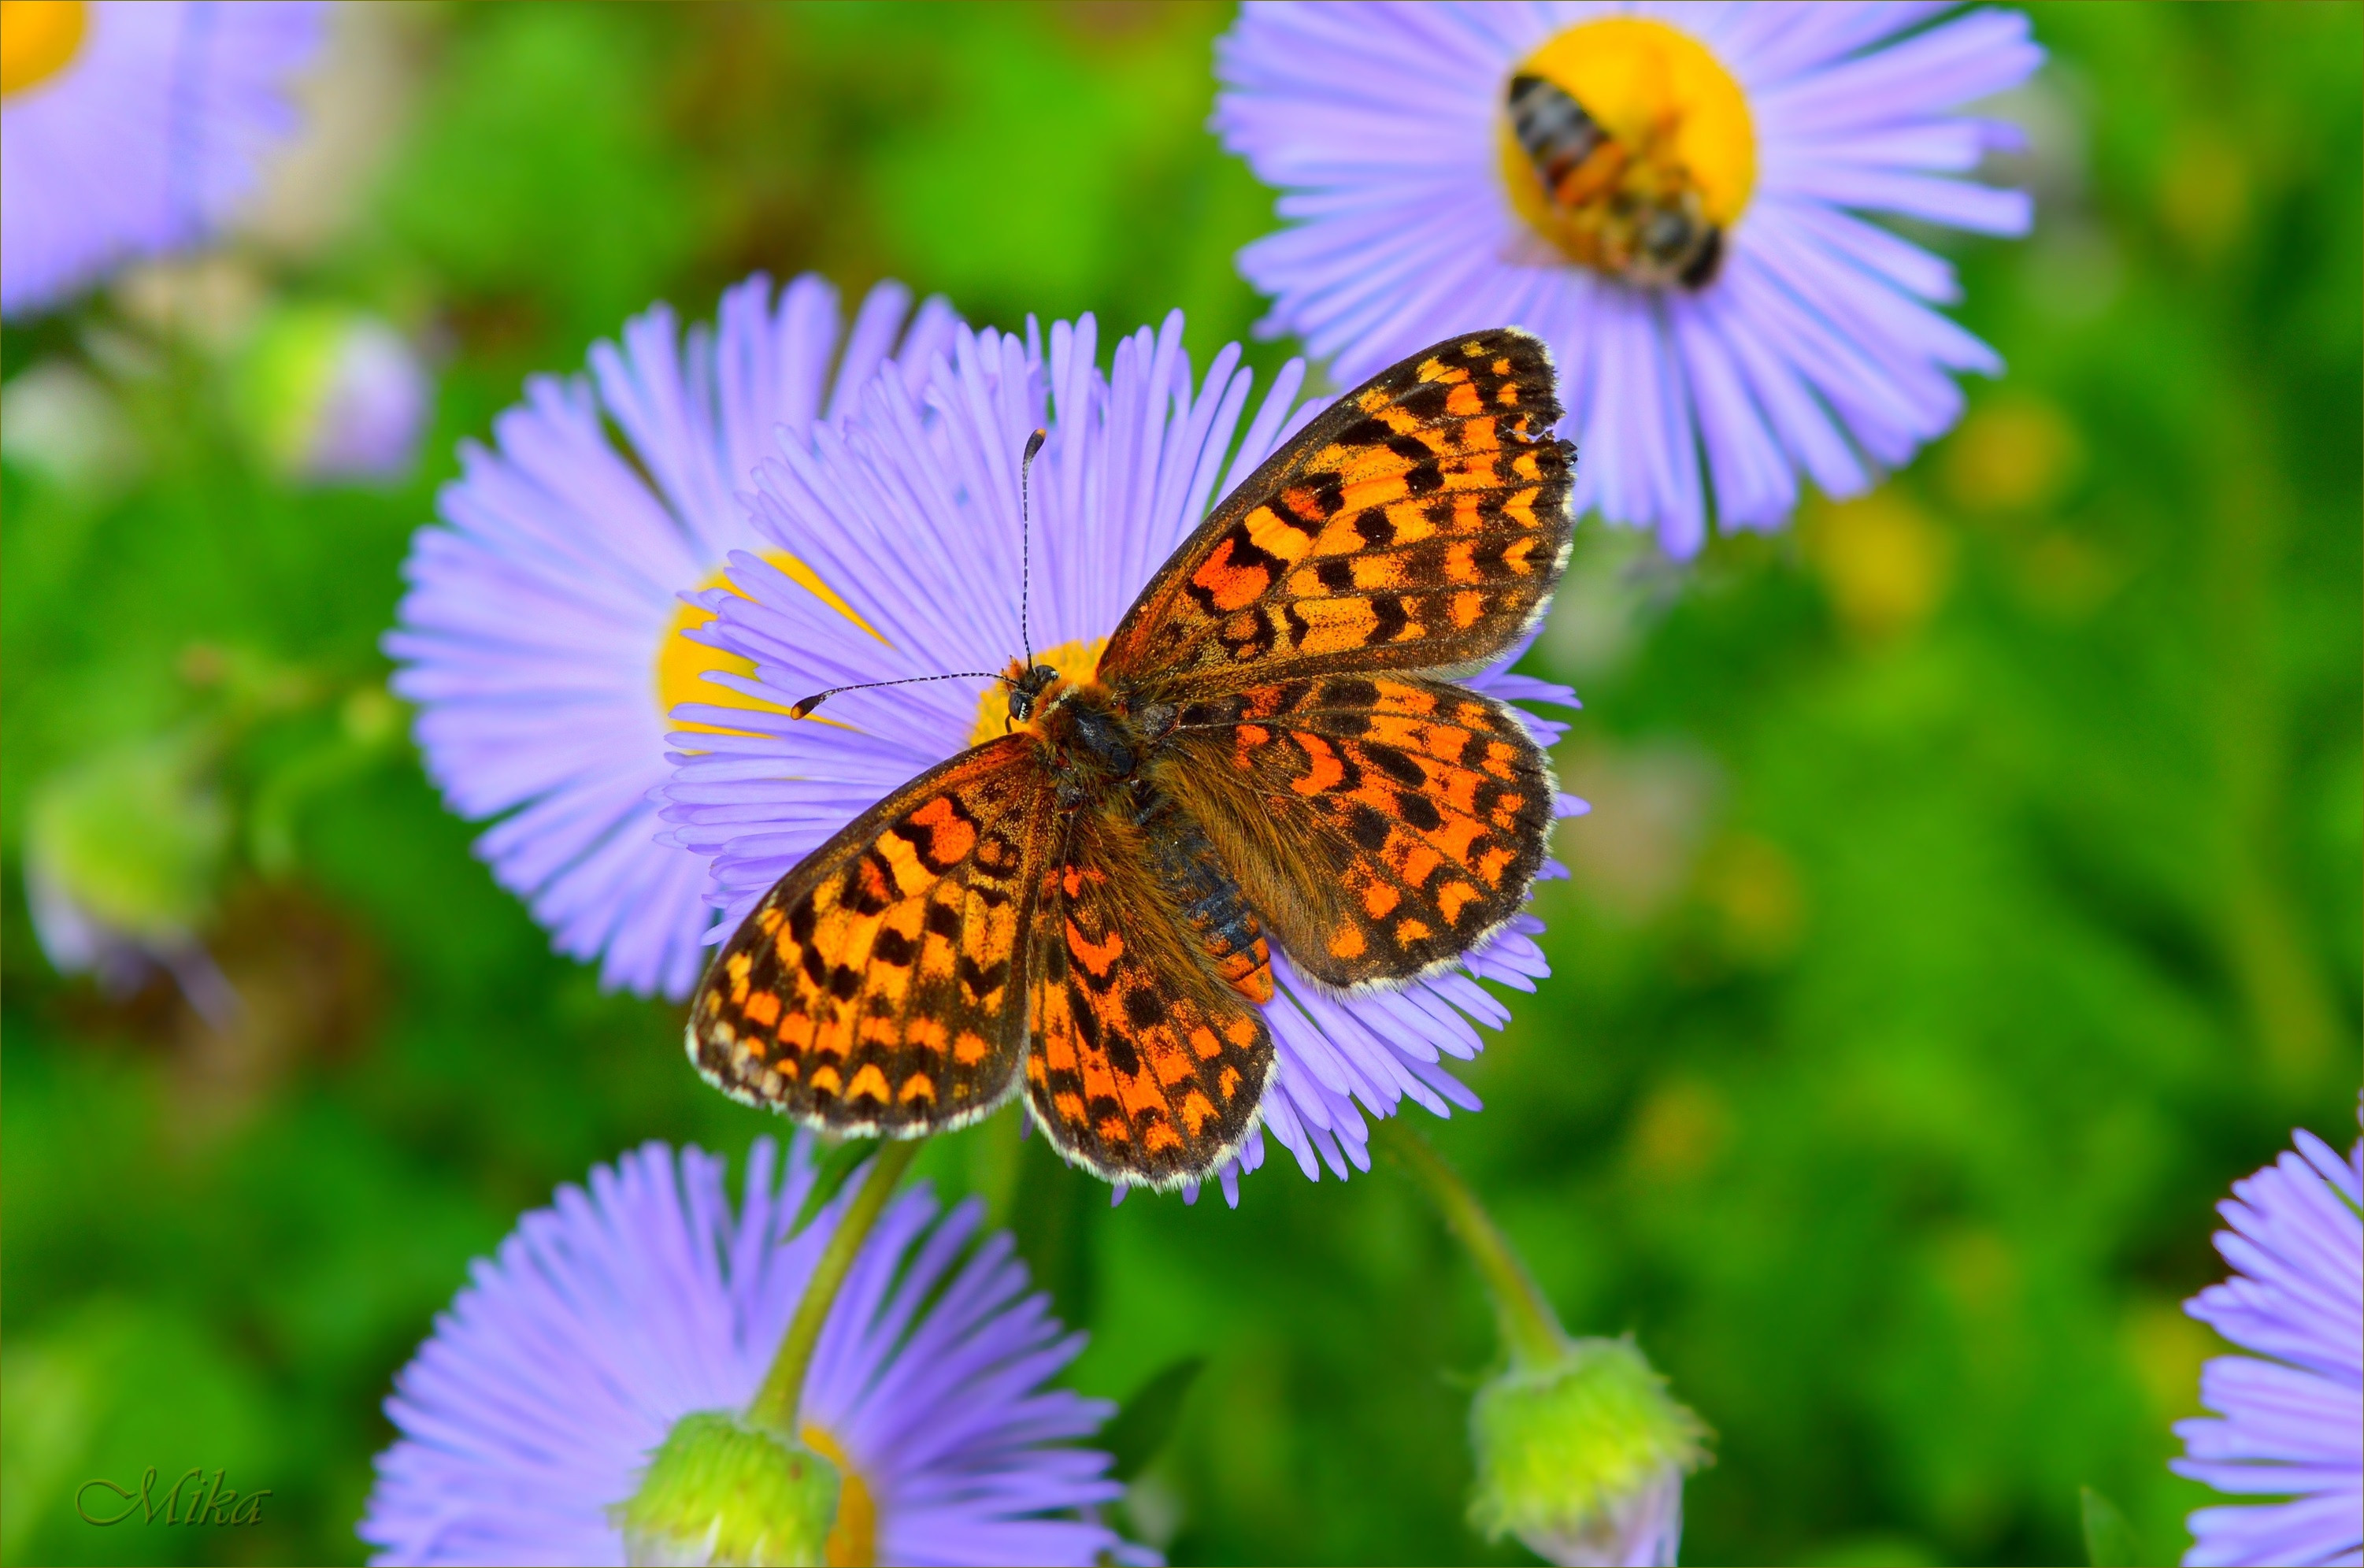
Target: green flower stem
1530,1328
776,1402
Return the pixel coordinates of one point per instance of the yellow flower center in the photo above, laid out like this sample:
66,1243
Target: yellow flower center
1652,161
683,665
1074,661
38,39
854,1539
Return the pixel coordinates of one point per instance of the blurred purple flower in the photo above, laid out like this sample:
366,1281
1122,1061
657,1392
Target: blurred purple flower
333,395
372,407
537,637
2290,1425
133,129
909,511
611,1314
1809,344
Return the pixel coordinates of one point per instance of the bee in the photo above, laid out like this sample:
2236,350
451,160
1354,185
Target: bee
1632,212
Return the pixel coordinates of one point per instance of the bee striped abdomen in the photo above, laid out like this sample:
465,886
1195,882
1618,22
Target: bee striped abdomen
1557,134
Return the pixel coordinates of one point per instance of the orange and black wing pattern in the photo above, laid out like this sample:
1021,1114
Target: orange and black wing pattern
1380,826
1147,1066
880,987
1420,522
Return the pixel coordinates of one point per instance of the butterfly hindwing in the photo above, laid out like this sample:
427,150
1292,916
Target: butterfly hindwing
1381,826
878,988
1419,522
1145,1065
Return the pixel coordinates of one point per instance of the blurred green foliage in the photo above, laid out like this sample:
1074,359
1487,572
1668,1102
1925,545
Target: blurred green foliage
1971,895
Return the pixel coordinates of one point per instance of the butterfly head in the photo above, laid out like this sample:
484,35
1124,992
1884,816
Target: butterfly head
1027,687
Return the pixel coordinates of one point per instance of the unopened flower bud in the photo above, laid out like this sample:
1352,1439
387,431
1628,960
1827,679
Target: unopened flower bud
134,835
1583,1458
332,395
722,1490
124,855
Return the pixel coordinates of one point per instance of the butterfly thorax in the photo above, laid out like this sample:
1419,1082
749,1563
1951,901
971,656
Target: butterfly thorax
1093,737
1091,746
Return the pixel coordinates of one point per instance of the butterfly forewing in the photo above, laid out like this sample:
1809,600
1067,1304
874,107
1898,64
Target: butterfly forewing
878,987
1419,524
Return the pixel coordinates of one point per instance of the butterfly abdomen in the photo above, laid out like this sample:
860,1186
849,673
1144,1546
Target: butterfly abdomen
1184,861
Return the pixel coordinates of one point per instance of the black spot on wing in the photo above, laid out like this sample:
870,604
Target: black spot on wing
1393,762
980,977
1424,402
1143,1008
867,894
1417,811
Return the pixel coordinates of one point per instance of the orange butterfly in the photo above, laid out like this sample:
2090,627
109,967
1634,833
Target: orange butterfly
1271,749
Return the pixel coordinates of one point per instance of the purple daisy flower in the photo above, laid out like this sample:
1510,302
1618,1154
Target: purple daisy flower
129,130
1670,202
909,511
2290,1425
609,1316
537,637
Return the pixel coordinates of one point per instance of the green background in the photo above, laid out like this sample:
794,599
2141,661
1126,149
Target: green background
1972,892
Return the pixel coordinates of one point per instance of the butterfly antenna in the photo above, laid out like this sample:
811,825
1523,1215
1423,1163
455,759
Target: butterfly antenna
1025,546
803,707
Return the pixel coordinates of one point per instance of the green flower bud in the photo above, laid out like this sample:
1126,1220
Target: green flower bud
721,1490
1583,1457
135,837
326,394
